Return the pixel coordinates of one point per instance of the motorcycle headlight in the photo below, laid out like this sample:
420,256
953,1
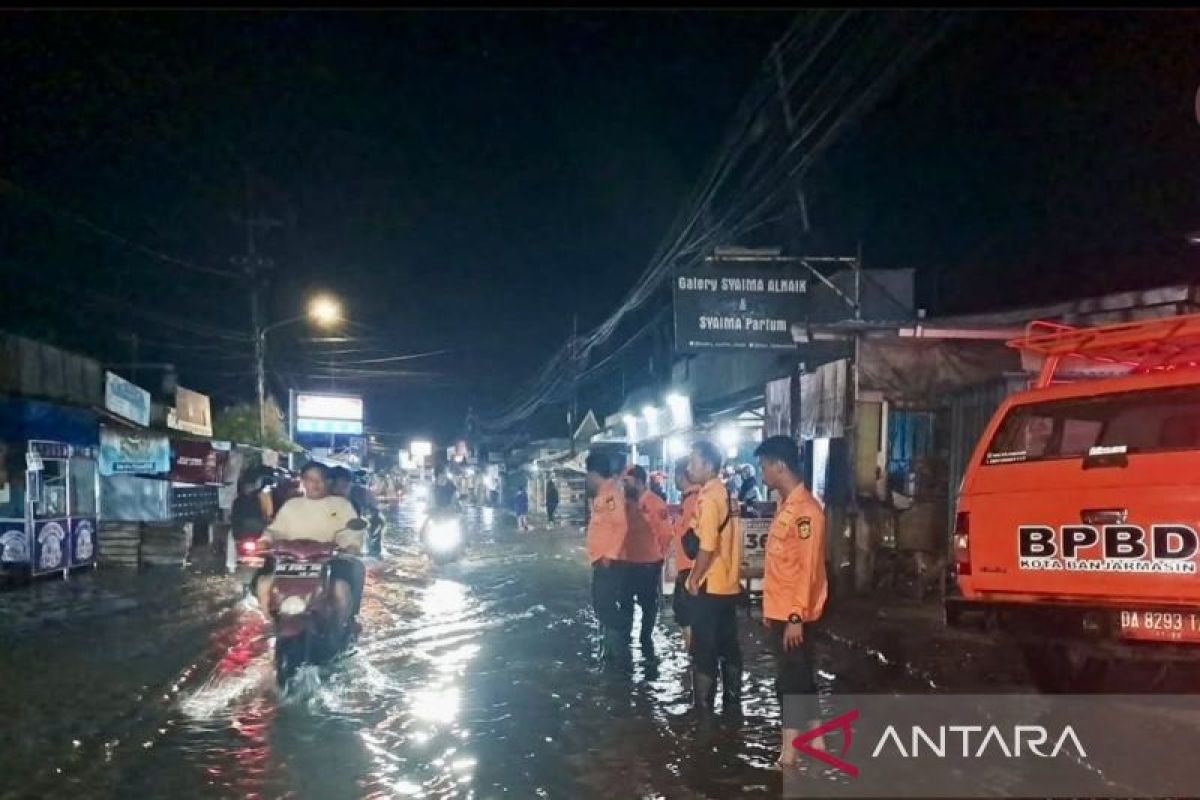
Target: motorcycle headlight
293,605
445,535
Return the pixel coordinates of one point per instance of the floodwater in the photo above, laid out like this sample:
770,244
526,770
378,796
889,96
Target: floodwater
477,679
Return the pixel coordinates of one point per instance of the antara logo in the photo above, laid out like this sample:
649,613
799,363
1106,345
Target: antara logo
943,741
844,723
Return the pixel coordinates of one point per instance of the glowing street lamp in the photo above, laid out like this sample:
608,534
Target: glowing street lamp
325,310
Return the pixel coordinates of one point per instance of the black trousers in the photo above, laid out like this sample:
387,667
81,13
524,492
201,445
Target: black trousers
682,603
551,509
715,633
642,587
794,682
353,572
608,594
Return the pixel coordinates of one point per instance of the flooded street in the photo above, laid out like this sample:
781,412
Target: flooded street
478,679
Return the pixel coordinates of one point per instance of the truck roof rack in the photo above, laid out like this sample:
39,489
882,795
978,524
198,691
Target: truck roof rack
1147,346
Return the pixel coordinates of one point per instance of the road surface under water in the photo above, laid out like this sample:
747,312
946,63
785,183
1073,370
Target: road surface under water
478,679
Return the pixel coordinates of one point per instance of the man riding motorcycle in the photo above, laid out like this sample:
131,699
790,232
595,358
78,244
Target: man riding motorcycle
445,493
321,517
349,485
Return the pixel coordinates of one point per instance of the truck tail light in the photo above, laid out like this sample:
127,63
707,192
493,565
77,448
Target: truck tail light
962,547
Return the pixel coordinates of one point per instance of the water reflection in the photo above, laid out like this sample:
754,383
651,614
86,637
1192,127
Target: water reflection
481,681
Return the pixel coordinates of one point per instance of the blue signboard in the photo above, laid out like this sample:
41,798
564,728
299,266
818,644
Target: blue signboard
126,399
342,426
126,454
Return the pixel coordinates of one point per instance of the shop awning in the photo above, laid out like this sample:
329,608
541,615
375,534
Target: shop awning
22,420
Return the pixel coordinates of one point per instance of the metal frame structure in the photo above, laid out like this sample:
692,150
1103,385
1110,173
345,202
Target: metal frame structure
1150,346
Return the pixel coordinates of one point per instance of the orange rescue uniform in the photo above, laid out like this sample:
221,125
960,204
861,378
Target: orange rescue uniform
609,525
641,543
724,541
687,514
794,581
655,511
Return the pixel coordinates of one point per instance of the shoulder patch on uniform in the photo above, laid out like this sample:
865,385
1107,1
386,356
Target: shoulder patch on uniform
804,527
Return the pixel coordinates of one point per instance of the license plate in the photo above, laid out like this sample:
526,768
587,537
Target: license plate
298,570
1161,626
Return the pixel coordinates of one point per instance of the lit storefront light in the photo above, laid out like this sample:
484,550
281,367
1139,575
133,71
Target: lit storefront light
630,427
729,436
678,447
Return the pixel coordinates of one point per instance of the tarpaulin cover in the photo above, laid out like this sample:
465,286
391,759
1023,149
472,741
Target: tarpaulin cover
925,371
916,371
22,420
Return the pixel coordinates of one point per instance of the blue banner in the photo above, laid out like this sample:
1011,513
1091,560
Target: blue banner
129,454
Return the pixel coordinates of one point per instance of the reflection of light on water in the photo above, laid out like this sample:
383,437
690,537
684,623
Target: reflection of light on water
444,598
406,788
455,660
222,691
245,666
487,514
440,706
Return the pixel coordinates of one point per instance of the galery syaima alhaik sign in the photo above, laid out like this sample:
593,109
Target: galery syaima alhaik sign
740,305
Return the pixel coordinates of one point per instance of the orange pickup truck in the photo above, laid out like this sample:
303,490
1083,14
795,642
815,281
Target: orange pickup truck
1078,520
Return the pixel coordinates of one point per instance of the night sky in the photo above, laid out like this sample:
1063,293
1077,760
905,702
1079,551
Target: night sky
468,181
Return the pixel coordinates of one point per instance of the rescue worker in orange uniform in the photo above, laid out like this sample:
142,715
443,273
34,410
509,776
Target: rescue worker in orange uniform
608,526
649,536
794,586
681,601
715,583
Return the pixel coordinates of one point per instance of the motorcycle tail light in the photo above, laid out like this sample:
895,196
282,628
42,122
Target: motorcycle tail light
249,546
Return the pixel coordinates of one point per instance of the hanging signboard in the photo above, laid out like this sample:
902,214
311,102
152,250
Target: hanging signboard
133,454
749,303
329,413
192,413
126,399
197,463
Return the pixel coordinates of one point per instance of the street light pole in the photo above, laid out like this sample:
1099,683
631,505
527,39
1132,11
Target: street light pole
252,264
260,368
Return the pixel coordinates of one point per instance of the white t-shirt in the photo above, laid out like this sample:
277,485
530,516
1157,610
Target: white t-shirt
321,520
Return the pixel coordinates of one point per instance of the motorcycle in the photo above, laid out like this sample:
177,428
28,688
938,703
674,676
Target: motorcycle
442,535
301,604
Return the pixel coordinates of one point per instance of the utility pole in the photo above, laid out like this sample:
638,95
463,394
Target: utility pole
253,264
861,559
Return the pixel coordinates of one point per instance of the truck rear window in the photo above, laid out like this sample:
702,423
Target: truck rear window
1140,422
